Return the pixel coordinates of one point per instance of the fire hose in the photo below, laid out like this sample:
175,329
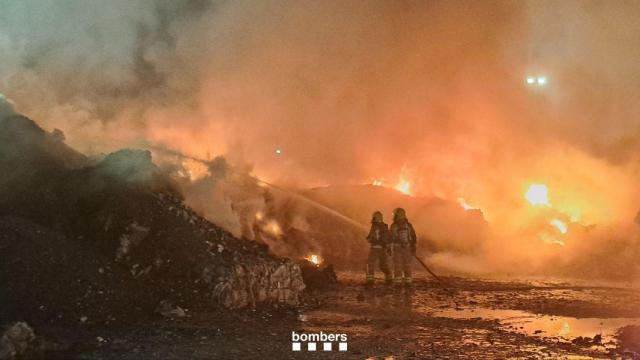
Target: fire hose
314,203
427,268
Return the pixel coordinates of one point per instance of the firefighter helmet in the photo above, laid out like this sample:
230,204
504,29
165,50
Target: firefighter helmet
376,217
398,214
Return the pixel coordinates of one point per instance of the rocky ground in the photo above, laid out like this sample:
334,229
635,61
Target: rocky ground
467,319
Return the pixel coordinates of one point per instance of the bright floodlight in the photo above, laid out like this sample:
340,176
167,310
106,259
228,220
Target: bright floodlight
539,80
278,151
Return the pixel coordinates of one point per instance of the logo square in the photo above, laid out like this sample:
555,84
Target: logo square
295,346
342,346
326,346
311,346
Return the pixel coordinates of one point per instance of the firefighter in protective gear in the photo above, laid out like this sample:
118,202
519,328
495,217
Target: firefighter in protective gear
378,239
403,244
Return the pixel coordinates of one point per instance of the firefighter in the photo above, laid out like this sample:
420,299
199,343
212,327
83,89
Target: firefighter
403,244
378,253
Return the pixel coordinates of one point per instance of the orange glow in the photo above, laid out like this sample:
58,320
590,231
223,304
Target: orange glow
551,239
413,110
465,205
194,170
538,194
403,186
273,228
560,225
314,259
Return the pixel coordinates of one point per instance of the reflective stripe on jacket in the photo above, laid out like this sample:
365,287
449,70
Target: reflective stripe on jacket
379,234
403,234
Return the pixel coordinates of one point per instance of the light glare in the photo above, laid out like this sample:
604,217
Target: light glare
560,225
538,194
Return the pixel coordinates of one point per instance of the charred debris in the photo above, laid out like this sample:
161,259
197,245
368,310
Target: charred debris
111,240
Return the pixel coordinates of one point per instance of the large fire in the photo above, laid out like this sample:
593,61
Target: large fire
194,170
403,186
538,194
313,258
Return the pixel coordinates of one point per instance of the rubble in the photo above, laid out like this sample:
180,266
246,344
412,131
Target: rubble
19,342
629,337
109,240
317,276
166,309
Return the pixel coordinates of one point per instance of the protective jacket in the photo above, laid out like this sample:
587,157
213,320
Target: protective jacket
403,234
379,234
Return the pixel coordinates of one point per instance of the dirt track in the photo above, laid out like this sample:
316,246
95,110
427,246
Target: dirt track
471,319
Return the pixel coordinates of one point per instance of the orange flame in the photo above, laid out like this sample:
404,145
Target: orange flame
403,186
273,228
314,259
465,205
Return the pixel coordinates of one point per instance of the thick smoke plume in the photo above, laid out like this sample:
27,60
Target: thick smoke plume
312,93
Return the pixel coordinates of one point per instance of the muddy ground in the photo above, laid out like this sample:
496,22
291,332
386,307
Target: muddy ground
467,319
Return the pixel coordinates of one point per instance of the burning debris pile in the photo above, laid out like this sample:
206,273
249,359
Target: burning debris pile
103,241
317,276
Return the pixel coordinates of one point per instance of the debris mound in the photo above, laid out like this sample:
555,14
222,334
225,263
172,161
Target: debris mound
19,342
317,277
113,241
629,341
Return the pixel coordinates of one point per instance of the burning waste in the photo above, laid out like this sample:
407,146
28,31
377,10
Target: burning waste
198,168
96,237
313,259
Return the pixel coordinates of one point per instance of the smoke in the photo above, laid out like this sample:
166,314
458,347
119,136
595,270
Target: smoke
430,92
6,107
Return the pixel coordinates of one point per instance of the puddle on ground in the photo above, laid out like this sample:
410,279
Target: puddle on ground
561,327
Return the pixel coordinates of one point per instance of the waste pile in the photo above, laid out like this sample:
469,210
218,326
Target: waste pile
19,341
111,240
318,277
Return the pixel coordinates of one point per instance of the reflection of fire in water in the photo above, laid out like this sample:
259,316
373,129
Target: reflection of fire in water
565,329
545,325
314,259
403,186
